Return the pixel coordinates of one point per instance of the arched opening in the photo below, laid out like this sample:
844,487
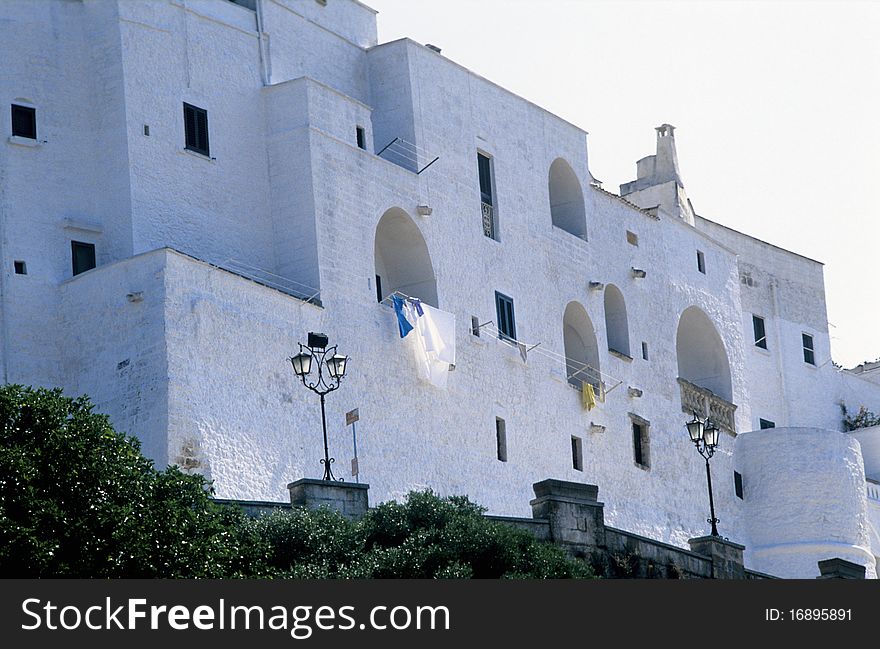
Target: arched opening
581,348
702,359
567,200
616,323
402,261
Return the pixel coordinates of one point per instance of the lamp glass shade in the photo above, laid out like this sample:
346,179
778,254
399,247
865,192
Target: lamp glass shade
695,429
711,435
302,364
336,366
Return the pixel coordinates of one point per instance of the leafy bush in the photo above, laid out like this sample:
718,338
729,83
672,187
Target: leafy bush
78,499
863,419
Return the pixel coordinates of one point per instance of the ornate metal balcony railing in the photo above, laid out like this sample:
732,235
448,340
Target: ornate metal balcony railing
873,490
488,220
706,403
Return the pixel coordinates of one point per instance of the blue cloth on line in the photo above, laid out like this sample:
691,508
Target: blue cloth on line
402,323
417,303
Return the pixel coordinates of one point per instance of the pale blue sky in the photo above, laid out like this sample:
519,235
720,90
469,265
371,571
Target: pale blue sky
775,104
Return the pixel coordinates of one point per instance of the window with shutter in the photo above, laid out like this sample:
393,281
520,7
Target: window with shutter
506,321
195,123
809,355
760,333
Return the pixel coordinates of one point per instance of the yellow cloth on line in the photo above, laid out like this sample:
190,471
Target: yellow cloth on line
588,396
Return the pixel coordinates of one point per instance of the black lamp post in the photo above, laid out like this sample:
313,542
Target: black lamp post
316,355
704,435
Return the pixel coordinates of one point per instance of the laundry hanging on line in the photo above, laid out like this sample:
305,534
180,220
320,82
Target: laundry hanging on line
434,339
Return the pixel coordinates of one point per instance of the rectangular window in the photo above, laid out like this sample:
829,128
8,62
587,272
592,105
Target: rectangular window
20,267
632,238
701,262
475,326
809,356
760,333
738,484
506,321
487,199
195,121
24,121
640,441
500,439
83,256
766,423
577,454
361,138
379,295
645,351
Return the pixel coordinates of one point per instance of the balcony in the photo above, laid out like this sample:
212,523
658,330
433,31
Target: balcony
873,490
488,219
706,403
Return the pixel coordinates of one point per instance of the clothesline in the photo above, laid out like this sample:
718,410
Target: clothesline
560,357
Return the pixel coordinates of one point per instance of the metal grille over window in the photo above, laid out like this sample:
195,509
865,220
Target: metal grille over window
195,121
487,203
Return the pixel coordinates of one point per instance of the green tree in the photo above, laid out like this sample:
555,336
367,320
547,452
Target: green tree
77,499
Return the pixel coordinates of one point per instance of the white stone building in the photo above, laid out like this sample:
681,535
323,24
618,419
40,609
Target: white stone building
188,187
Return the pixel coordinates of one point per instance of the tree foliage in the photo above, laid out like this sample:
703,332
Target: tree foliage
77,499
864,418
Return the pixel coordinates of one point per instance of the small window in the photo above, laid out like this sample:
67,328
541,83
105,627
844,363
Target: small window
701,262
24,121
577,454
766,423
506,321
20,267
379,295
809,355
475,326
760,333
361,138
640,442
500,439
645,351
738,484
195,121
147,130
487,197
83,256
632,238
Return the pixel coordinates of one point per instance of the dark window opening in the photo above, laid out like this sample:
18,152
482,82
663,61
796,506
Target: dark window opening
24,121
475,326
760,333
701,262
500,439
809,355
487,200
738,484
83,256
147,130
640,444
195,121
379,295
506,322
361,138
645,351
577,454
20,267
766,423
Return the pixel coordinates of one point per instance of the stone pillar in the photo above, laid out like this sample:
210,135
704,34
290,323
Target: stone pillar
577,518
726,556
349,499
840,569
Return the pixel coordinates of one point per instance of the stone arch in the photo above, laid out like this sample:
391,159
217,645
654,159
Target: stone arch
581,347
401,259
702,359
616,322
567,199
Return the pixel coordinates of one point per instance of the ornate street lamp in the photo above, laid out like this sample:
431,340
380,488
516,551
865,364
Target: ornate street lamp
316,355
704,435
